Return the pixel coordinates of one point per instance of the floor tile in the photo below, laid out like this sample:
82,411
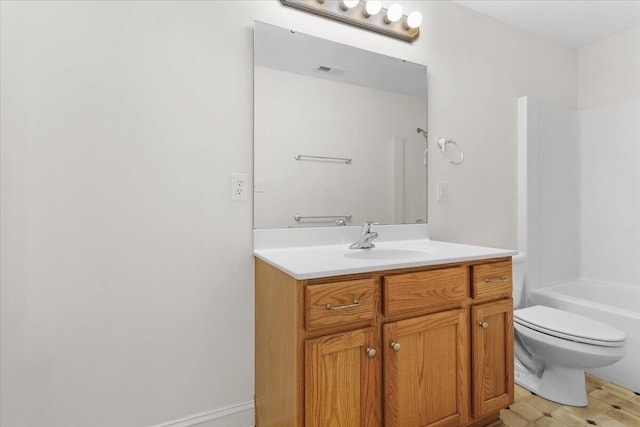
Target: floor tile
512,419
521,392
606,421
619,391
526,411
631,407
548,422
541,404
609,406
568,418
605,396
596,381
595,408
623,417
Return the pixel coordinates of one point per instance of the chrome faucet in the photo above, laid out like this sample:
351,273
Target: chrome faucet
365,240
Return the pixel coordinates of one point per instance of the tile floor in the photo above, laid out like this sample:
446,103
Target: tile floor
609,406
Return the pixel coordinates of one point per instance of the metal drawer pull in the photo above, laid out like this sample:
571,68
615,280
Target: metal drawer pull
395,346
500,280
342,307
483,325
371,352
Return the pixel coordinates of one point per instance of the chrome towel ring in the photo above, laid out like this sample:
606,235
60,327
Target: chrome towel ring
442,143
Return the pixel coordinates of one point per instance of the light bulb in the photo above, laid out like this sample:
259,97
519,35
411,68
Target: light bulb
414,20
348,4
393,14
372,7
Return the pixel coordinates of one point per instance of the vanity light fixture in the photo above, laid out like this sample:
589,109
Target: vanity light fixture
394,13
347,4
372,7
413,20
367,14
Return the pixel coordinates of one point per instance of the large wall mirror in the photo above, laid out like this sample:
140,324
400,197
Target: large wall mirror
336,134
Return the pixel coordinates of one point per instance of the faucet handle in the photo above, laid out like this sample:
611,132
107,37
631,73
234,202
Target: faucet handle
366,227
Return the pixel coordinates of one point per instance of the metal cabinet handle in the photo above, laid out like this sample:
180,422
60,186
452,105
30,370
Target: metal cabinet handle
483,325
395,346
371,352
500,280
342,307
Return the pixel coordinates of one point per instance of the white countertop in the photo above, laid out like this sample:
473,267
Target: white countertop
308,262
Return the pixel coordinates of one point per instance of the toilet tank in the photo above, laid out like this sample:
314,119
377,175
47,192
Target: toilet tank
518,264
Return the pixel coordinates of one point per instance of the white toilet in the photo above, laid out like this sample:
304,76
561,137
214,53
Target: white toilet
554,347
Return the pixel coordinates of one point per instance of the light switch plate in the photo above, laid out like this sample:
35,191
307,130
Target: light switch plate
442,190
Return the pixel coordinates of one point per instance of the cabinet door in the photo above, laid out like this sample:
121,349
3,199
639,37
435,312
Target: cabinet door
342,380
492,365
426,370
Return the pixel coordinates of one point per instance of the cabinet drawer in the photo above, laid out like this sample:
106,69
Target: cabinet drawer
339,303
405,293
492,279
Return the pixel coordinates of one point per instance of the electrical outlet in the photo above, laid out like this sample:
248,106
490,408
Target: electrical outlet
239,186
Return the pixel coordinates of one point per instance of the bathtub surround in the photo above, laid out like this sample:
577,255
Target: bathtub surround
124,264
548,196
610,192
579,202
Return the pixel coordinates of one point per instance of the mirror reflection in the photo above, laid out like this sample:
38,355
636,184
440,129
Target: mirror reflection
337,138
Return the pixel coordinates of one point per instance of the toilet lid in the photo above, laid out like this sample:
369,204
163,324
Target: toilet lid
571,326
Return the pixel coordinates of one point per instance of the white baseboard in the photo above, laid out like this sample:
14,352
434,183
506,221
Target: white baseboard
238,415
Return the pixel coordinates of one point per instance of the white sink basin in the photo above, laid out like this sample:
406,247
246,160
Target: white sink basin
389,253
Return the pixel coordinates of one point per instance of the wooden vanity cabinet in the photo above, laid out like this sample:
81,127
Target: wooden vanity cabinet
429,346
492,362
342,379
426,370
492,337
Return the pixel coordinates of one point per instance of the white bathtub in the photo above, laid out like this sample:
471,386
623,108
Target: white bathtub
616,305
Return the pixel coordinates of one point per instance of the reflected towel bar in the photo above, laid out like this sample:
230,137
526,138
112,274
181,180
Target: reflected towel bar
347,160
346,217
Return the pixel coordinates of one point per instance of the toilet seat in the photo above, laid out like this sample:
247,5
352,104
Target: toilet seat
569,326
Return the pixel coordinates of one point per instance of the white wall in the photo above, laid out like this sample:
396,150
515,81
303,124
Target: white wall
478,68
609,70
126,271
297,114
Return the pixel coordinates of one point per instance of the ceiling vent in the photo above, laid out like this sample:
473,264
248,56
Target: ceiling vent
323,69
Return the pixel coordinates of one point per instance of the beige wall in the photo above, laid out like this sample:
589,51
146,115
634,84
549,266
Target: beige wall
126,271
478,68
609,70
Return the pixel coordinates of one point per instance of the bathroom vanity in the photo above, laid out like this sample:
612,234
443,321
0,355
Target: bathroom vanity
410,333
369,338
